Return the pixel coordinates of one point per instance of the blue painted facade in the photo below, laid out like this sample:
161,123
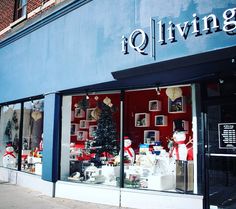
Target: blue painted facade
81,45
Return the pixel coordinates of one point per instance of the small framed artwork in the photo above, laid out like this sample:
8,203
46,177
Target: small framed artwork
74,128
92,131
177,106
151,136
89,114
79,113
82,135
142,119
83,124
160,120
154,105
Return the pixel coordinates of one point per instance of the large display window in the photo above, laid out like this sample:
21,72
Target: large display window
158,142
9,135
90,138
21,139
157,139
32,139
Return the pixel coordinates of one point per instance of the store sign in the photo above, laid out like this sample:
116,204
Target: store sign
166,33
227,135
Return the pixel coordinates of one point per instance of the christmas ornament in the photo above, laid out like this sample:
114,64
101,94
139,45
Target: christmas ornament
36,115
96,113
173,93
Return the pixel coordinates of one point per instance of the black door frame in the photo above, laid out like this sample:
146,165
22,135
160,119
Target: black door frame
207,101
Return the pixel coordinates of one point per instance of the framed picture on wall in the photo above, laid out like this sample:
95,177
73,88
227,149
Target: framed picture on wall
154,105
177,106
160,120
79,113
89,114
92,130
82,135
73,129
83,124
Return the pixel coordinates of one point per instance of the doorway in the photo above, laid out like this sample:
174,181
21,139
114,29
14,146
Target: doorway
220,145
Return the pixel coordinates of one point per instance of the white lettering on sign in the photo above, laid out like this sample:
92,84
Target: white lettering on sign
138,39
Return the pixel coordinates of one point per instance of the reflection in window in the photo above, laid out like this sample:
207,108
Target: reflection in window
32,139
9,135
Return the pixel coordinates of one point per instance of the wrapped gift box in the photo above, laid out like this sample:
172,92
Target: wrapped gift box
38,168
161,182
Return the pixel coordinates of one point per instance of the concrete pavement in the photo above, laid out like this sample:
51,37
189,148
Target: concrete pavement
16,197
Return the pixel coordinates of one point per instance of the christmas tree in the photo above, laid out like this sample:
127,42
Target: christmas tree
105,140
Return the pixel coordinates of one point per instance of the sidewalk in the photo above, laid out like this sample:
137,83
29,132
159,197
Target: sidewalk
16,197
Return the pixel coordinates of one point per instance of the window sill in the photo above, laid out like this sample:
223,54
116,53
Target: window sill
24,17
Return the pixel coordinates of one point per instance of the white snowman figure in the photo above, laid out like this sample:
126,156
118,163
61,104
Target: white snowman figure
9,157
180,150
128,150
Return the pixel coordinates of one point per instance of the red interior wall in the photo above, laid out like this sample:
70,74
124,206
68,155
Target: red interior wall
138,102
115,100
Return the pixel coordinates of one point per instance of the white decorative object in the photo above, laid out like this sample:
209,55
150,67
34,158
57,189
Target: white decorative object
110,173
142,120
180,150
173,93
128,150
9,157
38,168
161,182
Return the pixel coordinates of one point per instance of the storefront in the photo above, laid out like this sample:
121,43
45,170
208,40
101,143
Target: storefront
132,109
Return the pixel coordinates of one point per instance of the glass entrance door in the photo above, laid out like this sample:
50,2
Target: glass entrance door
221,153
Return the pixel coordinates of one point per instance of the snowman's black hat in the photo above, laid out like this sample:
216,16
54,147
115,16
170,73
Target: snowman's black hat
9,144
178,125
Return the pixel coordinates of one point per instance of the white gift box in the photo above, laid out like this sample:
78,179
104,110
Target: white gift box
110,172
161,182
38,168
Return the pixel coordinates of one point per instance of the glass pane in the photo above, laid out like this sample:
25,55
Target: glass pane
9,135
222,128
32,140
90,138
222,182
158,139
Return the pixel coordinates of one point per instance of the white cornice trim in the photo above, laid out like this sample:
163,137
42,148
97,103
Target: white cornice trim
5,30
47,4
18,21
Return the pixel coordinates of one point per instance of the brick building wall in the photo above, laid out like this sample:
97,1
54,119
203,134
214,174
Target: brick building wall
6,13
34,4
